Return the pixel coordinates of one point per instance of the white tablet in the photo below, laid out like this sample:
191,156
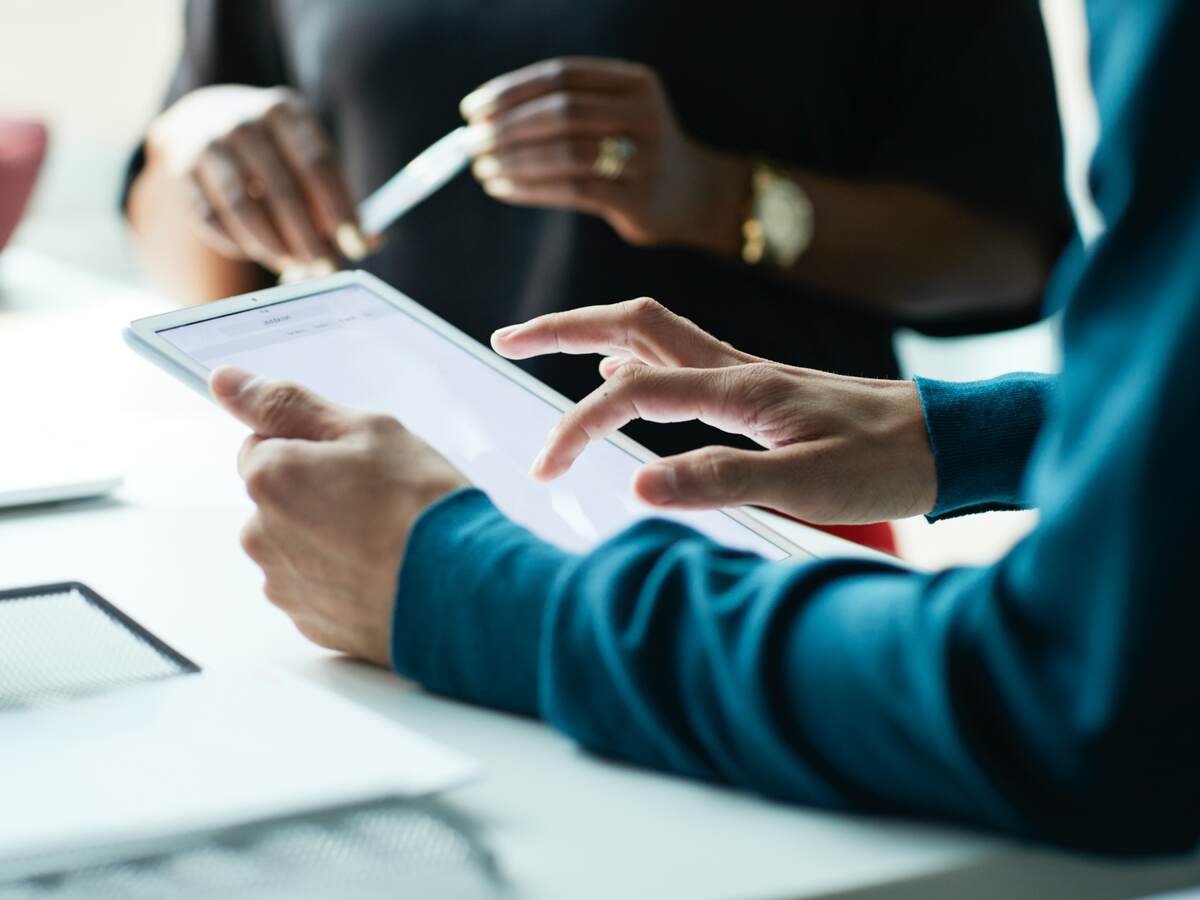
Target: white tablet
361,343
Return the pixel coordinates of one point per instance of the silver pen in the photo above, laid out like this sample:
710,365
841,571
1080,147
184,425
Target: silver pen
430,170
422,177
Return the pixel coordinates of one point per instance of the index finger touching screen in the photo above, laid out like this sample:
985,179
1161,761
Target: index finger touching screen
356,348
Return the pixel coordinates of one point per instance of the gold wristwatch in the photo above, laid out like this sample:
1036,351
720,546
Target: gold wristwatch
779,227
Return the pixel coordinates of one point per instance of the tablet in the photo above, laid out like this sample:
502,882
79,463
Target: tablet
361,343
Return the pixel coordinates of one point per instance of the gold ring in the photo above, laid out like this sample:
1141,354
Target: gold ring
612,156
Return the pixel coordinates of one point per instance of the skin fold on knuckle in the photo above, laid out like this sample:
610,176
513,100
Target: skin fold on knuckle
719,476
645,316
278,403
253,540
261,484
381,428
273,474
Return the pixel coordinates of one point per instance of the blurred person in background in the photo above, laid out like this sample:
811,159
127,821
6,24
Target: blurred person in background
798,178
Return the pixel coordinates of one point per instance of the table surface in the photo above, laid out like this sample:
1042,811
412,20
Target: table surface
561,823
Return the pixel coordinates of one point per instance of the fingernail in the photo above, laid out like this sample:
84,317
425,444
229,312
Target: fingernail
539,463
499,187
480,138
503,334
486,167
229,381
352,242
319,268
480,102
292,270
658,484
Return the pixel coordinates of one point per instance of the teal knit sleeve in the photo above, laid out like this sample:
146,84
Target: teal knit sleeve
982,434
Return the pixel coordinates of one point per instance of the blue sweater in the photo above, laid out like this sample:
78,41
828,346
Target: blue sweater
1055,694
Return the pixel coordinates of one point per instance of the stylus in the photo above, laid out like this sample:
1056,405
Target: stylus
422,177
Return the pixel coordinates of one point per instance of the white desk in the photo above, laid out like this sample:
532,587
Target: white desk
561,824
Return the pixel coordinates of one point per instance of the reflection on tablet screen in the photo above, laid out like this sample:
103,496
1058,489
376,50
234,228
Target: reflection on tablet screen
361,351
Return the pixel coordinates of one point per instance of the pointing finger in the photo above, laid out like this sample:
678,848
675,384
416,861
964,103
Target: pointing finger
643,392
642,328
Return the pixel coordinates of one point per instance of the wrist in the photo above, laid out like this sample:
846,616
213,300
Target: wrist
718,227
906,437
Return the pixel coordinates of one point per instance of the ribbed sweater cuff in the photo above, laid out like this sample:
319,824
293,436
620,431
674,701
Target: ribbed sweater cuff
982,434
469,604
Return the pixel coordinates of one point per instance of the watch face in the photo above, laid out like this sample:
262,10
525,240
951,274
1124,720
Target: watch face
787,217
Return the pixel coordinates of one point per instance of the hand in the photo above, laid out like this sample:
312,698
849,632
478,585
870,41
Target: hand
260,176
539,132
337,494
840,450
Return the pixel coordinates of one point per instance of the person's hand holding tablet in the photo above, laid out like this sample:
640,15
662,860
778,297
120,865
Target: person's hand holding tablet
840,450
338,491
337,494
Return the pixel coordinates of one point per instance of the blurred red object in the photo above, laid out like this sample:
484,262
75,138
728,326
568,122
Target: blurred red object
22,148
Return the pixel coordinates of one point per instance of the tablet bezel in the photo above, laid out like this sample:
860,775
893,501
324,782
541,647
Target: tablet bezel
143,337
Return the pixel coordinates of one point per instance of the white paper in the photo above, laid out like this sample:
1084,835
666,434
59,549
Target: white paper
194,753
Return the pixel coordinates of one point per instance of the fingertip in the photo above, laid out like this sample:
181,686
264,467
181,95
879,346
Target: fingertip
478,104
656,484
499,187
544,467
351,241
226,382
502,337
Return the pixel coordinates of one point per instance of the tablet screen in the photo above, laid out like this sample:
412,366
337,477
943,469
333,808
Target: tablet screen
352,346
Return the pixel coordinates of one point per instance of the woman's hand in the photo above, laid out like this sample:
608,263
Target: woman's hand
544,130
840,450
260,177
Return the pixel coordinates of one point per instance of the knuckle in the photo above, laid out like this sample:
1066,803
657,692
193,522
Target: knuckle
566,105
283,189
253,540
261,484
647,311
215,147
244,132
317,155
287,470
555,72
720,470
382,426
627,379
278,403
284,101
239,202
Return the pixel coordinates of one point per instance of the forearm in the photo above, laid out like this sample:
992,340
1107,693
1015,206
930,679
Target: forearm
841,683
176,259
890,245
